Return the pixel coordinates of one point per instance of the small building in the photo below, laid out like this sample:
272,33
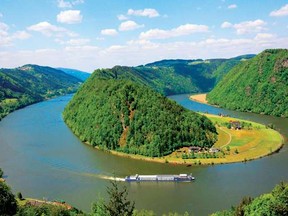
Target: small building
235,125
194,149
214,150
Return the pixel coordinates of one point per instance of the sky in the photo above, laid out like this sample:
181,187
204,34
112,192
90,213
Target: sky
91,34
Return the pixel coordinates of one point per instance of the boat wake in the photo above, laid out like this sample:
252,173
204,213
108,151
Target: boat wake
105,177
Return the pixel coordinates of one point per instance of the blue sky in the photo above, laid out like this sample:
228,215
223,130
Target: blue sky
91,34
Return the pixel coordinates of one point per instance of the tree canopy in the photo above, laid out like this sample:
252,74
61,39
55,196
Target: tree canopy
258,85
29,84
118,114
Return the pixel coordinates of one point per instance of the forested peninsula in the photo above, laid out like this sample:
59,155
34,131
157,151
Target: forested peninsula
258,85
29,84
113,111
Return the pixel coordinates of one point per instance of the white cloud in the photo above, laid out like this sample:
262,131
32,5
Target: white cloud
140,52
109,32
7,39
246,27
49,30
78,42
264,36
176,32
148,12
122,17
143,44
226,25
21,35
129,25
69,4
250,26
3,29
70,17
64,4
232,6
283,11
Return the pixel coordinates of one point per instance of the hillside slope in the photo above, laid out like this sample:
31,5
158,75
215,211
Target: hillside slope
259,85
113,112
170,77
76,73
28,84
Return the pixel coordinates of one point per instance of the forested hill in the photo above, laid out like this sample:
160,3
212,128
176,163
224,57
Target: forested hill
259,85
119,114
28,84
76,73
178,76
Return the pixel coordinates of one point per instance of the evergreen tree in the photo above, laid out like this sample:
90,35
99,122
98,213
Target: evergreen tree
118,204
8,204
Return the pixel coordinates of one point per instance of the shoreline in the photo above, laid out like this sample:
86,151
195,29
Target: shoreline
200,98
231,158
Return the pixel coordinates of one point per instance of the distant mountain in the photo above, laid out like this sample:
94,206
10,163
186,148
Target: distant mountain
76,73
178,76
28,84
258,85
114,110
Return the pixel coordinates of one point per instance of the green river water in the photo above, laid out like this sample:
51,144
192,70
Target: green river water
43,159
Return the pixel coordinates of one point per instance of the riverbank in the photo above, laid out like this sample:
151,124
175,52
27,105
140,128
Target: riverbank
38,202
200,98
252,141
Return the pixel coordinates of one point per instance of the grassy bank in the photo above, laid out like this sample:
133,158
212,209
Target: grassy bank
251,142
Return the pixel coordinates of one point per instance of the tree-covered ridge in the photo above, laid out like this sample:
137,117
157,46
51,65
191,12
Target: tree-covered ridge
76,73
122,115
274,203
258,85
176,76
28,84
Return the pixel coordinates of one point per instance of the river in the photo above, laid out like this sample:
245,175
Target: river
43,159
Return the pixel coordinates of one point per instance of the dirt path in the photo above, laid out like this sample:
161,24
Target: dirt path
230,137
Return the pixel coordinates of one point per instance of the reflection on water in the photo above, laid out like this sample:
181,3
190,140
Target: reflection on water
42,158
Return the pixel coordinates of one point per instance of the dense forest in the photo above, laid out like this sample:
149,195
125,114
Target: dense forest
258,85
274,203
113,112
29,84
178,76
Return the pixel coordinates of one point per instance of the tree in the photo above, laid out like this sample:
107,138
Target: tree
240,209
98,208
8,204
1,173
19,196
118,204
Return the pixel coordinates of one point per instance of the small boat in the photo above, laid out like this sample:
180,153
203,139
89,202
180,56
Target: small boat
174,178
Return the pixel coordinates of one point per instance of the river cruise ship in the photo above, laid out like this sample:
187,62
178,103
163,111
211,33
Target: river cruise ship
175,178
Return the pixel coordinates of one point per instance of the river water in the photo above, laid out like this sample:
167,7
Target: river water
43,159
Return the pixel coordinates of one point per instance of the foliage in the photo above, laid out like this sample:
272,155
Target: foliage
118,203
46,209
258,85
8,204
1,173
19,196
118,114
170,77
274,203
29,84
98,208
